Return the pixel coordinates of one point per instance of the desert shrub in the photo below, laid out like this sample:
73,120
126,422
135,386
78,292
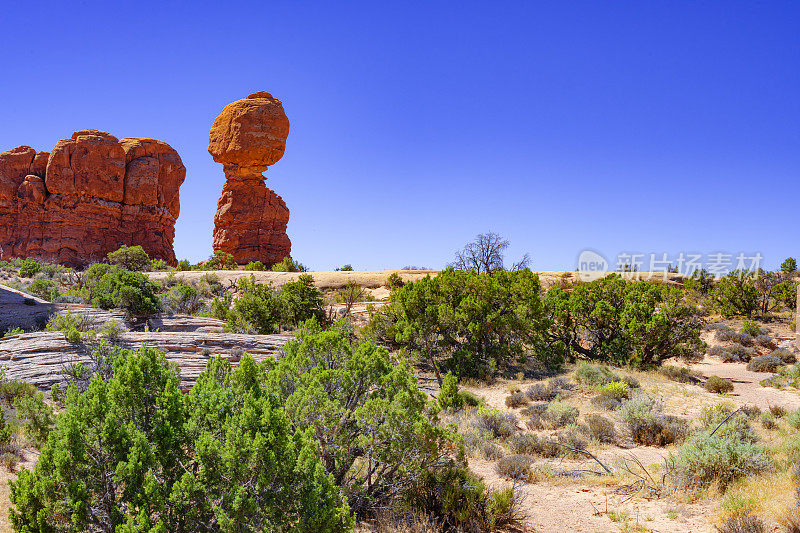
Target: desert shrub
449,395
742,523
786,357
470,398
29,268
560,414
491,451
705,459
12,389
681,374
459,499
132,258
158,265
793,419
535,415
125,289
573,439
714,326
36,417
718,385
254,265
736,354
16,330
541,393
514,466
524,444
326,377
209,285
220,261
764,363
182,299
717,418
768,421
778,411
471,324
736,294
43,288
179,462
610,396
287,264
724,333
626,323
112,330
517,399
183,265
300,301
258,308
631,382
497,423
751,328
647,425
745,339
765,340
344,268
394,281
72,335
588,374
601,428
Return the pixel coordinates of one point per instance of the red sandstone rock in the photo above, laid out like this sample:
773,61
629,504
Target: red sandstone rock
91,195
248,136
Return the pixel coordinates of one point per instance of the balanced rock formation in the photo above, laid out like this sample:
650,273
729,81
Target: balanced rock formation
247,137
89,196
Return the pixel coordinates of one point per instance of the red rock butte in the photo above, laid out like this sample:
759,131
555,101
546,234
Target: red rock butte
89,196
247,137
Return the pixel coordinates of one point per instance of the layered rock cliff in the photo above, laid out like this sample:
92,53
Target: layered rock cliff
90,195
247,137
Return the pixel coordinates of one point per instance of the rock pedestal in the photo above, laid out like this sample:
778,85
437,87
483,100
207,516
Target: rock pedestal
247,137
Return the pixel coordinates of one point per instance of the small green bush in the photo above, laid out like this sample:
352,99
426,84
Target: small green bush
63,322
29,268
36,416
72,335
132,258
287,264
449,396
44,289
794,419
560,414
345,268
14,331
128,290
182,299
722,459
394,281
220,261
254,265
717,418
718,385
751,328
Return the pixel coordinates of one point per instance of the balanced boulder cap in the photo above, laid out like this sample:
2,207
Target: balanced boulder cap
247,137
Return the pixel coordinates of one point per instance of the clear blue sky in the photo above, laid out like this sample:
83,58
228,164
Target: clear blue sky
617,126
